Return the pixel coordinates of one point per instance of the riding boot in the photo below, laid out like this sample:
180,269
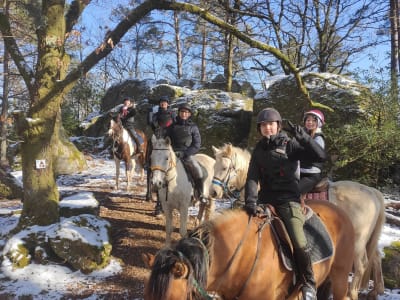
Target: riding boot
306,274
198,190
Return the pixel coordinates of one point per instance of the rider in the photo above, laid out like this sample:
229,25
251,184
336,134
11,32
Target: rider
163,118
273,164
126,115
159,122
310,171
186,141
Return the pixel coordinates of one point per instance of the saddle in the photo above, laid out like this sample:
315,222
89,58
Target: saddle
315,231
319,192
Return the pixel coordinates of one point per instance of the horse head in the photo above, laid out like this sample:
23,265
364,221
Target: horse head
116,129
163,161
224,170
178,273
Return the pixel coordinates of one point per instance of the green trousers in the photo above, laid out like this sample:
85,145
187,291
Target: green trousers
293,217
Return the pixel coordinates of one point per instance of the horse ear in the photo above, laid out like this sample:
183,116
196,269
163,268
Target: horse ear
214,149
148,260
180,270
168,140
229,149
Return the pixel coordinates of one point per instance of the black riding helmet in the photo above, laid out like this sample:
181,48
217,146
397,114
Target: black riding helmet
185,106
268,115
164,99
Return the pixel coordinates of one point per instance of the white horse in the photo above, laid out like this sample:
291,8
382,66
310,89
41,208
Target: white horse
365,206
174,188
123,149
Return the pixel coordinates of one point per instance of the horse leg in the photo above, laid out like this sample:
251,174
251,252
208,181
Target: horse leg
168,223
359,265
375,264
128,172
117,166
183,220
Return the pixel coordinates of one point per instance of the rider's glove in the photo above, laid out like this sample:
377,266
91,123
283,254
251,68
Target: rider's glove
251,208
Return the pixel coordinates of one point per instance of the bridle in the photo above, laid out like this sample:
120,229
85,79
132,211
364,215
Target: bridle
166,170
224,182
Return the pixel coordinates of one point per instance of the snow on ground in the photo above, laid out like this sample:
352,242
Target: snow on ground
56,279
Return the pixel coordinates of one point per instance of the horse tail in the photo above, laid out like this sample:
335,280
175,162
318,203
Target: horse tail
374,267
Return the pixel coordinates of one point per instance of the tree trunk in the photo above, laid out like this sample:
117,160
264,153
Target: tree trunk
394,41
178,46
4,106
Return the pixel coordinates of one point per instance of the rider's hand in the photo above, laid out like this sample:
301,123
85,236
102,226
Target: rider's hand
251,208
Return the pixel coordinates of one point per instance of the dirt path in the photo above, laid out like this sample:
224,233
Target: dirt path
134,231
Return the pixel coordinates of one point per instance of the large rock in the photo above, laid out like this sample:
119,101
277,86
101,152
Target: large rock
221,116
83,242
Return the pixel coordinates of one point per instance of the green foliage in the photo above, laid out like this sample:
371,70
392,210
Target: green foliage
366,149
83,100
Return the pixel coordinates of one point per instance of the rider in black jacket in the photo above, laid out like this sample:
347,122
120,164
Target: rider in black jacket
159,121
127,116
273,165
186,141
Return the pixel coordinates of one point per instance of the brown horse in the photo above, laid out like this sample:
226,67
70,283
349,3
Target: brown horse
236,256
364,205
124,149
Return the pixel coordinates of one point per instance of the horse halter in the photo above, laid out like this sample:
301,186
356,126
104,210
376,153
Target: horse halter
230,174
161,168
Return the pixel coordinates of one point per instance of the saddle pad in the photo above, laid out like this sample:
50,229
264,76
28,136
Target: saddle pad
317,237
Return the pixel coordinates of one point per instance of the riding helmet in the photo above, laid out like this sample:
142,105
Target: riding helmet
269,115
164,99
316,113
185,106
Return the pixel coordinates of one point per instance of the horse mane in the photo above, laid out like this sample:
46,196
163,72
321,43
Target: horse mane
189,250
233,152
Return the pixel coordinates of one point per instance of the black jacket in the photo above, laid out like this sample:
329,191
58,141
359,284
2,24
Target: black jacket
185,136
274,164
161,120
127,118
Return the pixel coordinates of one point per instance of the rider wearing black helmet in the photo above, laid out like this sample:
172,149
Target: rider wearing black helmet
273,166
163,118
186,141
159,122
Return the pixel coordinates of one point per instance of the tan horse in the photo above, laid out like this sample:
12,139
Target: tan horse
123,149
170,179
364,205
236,257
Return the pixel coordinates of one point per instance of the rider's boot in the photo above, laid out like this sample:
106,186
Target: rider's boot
198,190
306,274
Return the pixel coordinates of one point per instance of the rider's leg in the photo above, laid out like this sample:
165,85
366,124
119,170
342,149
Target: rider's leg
293,217
197,174
135,138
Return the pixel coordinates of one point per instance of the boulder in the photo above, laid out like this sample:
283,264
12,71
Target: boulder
83,242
